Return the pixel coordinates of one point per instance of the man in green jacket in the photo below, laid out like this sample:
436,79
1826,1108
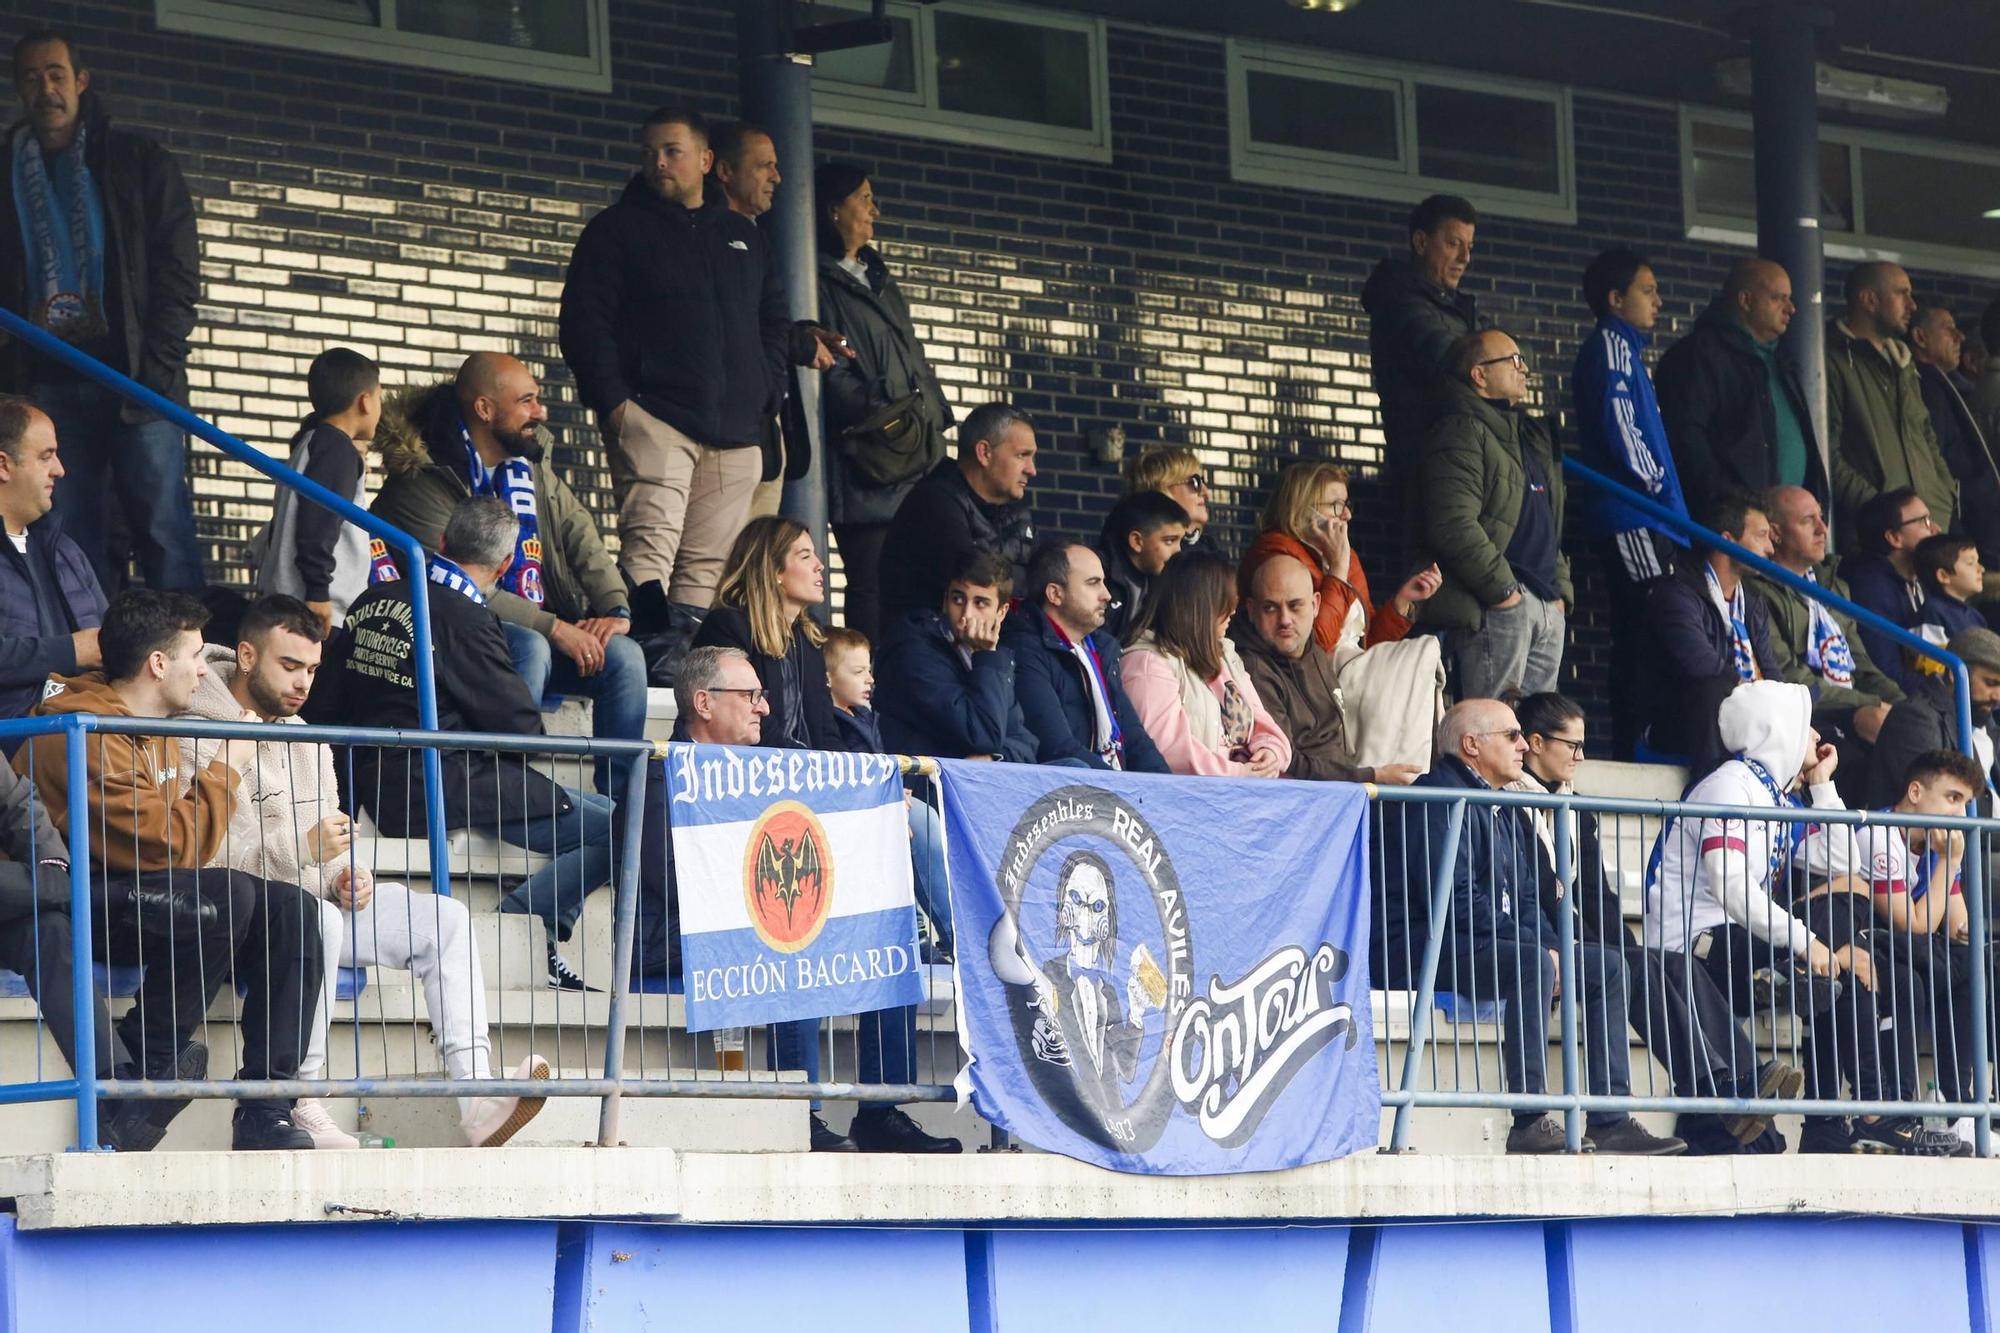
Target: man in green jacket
563,602
1490,501
1817,646
1876,420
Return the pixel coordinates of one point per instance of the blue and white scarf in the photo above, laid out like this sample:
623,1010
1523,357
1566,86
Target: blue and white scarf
514,482
1783,833
1734,611
62,237
1827,650
446,574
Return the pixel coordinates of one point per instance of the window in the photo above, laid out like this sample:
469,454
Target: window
564,43
1881,195
991,74
1347,126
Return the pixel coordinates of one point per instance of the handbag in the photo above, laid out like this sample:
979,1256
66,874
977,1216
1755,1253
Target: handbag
895,443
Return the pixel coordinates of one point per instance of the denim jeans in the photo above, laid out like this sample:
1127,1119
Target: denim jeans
1519,648
144,466
887,1044
927,857
617,693
580,843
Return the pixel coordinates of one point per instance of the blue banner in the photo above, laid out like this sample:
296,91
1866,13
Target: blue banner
1164,975
796,892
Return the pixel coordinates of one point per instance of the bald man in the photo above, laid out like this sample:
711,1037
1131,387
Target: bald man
562,601
1490,505
1497,944
1876,420
1297,679
1735,410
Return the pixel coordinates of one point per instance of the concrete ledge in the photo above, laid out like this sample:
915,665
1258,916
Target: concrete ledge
105,1190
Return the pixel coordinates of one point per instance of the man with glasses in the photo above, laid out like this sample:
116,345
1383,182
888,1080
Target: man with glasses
1490,501
1498,944
979,499
1883,576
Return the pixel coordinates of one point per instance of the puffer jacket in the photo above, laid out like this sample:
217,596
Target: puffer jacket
425,462
35,639
1880,430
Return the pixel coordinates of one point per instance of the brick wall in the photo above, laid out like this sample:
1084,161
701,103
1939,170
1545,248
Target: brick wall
419,217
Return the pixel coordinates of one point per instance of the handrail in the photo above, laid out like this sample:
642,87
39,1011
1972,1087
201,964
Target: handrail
1687,527
410,548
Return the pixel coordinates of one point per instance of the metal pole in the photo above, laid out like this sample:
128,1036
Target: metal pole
1566,979
776,90
1442,873
83,984
1784,110
1975,908
625,915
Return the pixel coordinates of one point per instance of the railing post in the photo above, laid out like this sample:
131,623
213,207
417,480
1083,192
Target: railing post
1975,908
624,924
83,983
1444,868
1566,978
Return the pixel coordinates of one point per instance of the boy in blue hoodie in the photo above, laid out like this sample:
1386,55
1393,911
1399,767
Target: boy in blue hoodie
1622,437
1949,567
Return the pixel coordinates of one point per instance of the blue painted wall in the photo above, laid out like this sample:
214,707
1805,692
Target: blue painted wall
1718,1275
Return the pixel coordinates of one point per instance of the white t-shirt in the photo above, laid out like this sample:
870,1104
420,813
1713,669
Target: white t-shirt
20,541
1884,857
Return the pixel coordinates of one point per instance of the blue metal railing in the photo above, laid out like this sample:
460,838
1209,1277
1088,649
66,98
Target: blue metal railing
409,547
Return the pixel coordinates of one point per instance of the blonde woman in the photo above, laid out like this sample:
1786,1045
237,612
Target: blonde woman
1174,471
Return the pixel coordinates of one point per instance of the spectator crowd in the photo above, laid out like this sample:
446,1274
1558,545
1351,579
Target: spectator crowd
1152,650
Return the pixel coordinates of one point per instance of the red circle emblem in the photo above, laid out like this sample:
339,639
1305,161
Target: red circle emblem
788,877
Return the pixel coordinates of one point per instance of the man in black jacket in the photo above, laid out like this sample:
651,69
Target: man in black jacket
371,669
1735,412
50,601
675,325
1937,342
1928,720
981,499
107,262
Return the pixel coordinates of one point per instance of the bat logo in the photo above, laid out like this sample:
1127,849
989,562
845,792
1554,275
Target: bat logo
788,877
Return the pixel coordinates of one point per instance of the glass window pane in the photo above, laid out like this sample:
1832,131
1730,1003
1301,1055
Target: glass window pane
1725,177
1930,200
1014,70
559,27
890,66
1488,139
349,11
1287,111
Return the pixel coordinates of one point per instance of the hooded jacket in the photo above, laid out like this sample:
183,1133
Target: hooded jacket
35,630
682,311
147,811
1880,429
152,261
309,552
1791,626
291,788
1712,872
1620,431
1303,696
1412,323
1715,402
1473,485
427,475
888,364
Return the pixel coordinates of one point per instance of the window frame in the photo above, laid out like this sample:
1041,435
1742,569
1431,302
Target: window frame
1857,243
1324,172
383,42
887,112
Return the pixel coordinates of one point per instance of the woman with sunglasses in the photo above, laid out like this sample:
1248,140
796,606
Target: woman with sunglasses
772,580
1174,471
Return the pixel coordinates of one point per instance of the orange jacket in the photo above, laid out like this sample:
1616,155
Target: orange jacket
144,812
1336,594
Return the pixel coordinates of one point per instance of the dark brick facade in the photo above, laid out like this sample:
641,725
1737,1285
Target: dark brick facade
419,216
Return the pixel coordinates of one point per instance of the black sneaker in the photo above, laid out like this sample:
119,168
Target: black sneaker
890,1129
1629,1138
825,1140
1827,1134
267,1127
1907,1136
562,976
1544,1134
132,1125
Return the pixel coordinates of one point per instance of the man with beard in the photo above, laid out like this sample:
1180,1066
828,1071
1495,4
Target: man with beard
561,602
1928,720
1877,424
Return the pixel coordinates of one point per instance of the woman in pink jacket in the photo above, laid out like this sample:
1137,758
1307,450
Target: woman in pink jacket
1187,683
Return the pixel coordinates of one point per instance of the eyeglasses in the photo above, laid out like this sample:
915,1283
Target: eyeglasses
1515,357
1196,482
756,696
1337,507
1576,747
1918,520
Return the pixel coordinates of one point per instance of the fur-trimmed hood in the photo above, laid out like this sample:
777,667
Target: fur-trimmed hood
419,429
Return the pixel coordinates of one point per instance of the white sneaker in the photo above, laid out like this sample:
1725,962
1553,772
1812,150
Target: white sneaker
491,1121
309,1115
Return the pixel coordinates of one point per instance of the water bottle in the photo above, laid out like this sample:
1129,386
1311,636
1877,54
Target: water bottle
729,1044
373,1140
1935,1121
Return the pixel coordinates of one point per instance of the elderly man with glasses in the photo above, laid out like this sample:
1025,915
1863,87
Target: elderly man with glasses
1490,511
